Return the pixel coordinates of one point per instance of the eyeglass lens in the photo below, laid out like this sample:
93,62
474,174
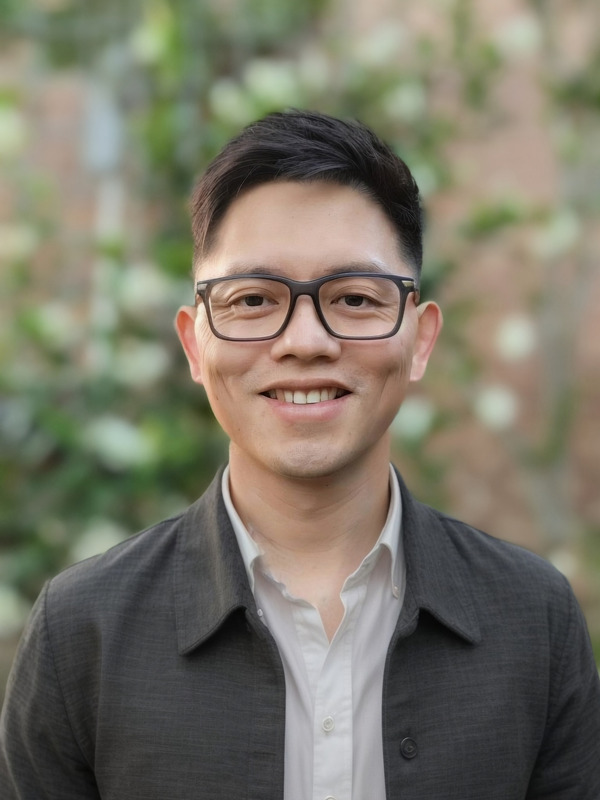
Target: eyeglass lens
353,306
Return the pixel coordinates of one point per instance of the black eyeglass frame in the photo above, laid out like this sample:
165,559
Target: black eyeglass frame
311,289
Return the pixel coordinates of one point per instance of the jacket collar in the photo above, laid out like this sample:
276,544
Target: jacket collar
210,581
436,552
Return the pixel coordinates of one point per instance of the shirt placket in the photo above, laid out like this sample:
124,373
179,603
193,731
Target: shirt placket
329,668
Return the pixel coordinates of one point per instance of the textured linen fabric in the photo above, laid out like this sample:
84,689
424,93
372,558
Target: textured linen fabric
333,731
146,674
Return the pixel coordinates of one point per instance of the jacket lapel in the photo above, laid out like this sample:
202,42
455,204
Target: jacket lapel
436,575
210,580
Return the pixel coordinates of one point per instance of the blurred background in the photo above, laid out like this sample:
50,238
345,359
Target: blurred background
110,108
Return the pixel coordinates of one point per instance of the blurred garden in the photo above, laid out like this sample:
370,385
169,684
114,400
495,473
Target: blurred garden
110,108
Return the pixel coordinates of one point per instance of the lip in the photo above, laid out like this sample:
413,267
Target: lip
293,414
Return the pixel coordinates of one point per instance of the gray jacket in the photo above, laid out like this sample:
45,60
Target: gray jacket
145,673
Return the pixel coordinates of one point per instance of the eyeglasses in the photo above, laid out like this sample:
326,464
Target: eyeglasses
350,305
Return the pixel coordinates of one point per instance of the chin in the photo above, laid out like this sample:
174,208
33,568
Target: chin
305,464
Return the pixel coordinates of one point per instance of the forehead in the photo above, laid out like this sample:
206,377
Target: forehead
303,230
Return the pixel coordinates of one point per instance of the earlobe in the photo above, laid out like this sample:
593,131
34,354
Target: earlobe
185,325
429,326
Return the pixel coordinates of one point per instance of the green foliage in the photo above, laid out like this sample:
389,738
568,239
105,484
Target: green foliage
489,218
580,91
478,58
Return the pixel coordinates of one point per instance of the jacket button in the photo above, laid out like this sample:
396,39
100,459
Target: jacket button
408,748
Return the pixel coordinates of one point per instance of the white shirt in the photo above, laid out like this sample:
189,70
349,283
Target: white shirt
333,730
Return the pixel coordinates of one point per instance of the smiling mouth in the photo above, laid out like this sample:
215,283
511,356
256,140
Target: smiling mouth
303,398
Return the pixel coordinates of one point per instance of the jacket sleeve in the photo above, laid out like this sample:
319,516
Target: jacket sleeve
568,764
39,756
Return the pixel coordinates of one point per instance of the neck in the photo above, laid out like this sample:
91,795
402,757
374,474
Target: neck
320,526
313,532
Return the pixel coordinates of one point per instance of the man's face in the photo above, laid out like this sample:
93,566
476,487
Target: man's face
304,231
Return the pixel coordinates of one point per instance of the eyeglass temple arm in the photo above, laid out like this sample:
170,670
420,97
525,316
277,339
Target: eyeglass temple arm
411,285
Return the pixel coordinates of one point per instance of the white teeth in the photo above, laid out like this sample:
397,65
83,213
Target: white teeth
302,398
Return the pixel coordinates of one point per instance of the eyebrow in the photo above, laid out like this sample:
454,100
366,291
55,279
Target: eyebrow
350,266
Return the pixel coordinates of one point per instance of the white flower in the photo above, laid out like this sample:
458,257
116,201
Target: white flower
414,419
101,535
230,103
380,45
17,241
117,443
143,289
57,324
520,36
140,364
425,177
516,338
406,102
314,71
558,236
148,43
497,407
14,611
13,132
273,83
564,561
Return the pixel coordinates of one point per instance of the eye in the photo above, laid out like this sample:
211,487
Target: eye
353,300
360,293
245,295
252,300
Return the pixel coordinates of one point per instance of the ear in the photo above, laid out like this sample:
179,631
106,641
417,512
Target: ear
429,326
185,325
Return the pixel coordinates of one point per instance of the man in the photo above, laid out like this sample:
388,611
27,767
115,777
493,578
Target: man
306,629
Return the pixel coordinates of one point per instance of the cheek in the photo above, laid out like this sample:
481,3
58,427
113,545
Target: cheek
202,330
208,357
225,367
402,349
394,375
396,358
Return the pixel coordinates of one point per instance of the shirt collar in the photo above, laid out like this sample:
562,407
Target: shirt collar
210,580
389,539
248,548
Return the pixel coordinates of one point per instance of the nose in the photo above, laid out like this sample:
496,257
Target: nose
304,336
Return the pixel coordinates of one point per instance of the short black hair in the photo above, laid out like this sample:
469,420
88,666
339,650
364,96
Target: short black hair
309,146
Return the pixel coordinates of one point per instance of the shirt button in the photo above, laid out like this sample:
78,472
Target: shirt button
408,748
396,592
328,725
